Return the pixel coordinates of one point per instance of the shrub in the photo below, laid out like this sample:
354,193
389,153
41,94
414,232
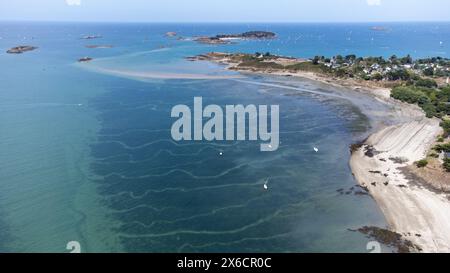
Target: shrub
422,163
409,95
429,110
446,125
401,74
447,164
340,73
442,148
377,77
426,83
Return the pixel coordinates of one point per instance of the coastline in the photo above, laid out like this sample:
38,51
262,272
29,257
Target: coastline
411,208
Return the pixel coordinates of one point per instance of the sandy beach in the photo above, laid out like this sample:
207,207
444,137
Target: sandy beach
411,208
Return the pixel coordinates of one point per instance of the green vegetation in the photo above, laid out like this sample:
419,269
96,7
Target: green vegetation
433,155
434,101
447,164
309,66
422,163
446,125
427,83
442,148
257,60
260,64
446,149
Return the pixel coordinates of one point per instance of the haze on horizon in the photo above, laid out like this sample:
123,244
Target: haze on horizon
226,11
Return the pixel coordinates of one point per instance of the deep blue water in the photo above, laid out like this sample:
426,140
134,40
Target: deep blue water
88,156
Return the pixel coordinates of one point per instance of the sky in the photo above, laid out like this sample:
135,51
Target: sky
225,10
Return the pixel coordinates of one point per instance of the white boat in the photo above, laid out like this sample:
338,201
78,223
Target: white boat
265,184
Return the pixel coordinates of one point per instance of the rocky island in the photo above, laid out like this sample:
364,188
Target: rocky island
85,59
99,46
20,49
171,34
90,37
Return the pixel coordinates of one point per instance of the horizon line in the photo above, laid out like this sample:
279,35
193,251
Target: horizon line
222,22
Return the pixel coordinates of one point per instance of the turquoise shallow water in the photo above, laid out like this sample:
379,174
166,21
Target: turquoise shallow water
87,156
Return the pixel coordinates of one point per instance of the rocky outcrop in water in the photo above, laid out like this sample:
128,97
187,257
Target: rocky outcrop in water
85,59
99,46
20,49
90,37
171,34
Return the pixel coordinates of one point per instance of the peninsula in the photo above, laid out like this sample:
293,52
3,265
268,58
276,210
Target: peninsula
405,167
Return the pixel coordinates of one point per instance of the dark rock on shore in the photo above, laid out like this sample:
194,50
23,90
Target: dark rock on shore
356,146
390,238
20,49
369,151
356,190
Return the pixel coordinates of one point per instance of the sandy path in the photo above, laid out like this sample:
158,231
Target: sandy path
162,75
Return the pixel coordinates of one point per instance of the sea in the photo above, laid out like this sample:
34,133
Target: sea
86,154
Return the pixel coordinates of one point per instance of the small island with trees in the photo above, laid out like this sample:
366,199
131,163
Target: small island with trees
227,38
